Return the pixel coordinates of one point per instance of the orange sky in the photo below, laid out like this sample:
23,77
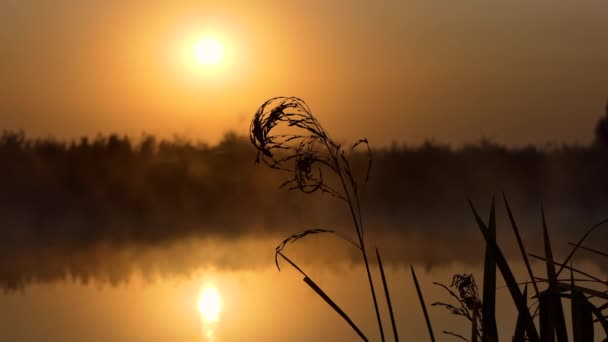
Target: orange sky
517,72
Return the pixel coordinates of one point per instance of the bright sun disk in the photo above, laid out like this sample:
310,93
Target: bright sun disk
208,51
210,304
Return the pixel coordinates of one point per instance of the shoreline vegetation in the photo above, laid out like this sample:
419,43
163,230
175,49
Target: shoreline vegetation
309,158
66,204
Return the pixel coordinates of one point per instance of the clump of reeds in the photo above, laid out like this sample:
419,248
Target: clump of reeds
289,138
546,301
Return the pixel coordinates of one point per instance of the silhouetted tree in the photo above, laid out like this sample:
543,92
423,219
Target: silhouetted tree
601,130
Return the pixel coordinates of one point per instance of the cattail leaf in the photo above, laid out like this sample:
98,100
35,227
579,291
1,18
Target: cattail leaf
507,275
334,306
421,299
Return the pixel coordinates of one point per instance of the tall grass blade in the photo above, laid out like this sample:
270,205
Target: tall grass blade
520,326
388,296
421,298
567,287
488,324
324,296
297,236
590,292
589,231
582,316
600,317
334,306
520,244
551,274
293,264
451,333
547,326
590,276
474,326
371,287
507,275
557,310
589,249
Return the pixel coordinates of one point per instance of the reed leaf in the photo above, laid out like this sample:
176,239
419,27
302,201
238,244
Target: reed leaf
600,317
304,156
568,287
456,335
488,324
547,324
474,331
421,298
582,317
324,296
520,244
589,249
297,236
590,292
520,326
507,275
590,276
334,306
580,242
388,296
557,311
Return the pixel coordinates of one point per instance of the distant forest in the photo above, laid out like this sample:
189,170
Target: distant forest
72,195
90,186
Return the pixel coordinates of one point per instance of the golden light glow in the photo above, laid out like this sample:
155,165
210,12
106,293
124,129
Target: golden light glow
210,304
208,51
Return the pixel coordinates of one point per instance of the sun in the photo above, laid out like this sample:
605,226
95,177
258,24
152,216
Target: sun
208,51
210,304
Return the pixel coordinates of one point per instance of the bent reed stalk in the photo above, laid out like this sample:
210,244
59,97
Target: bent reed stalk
303,155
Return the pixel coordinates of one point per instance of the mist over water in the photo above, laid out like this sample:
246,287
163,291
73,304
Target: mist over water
248,233
100,209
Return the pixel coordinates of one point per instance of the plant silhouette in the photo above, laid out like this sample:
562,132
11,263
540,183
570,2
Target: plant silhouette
304,154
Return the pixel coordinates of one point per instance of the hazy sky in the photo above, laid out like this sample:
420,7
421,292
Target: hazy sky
515,71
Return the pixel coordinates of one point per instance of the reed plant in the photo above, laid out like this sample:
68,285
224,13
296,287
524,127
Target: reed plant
544,318
290,139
